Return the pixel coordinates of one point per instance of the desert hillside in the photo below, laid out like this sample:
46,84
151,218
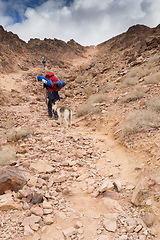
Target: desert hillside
98,179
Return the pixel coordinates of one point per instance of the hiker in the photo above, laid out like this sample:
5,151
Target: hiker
51,86
43,63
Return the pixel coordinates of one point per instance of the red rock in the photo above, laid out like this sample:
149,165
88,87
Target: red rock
10,204
31,220
28,231
11,178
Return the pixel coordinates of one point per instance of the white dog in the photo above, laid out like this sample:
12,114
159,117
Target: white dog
63,113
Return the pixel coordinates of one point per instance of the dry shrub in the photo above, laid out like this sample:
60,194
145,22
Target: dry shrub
129,82
85,108
97,98
98,65
143,72
62,75
140,120
152,79
81,79
110,86
154,104
83,67
89,105
137,93
133,73
154,59
138,72
89,91
20,132
7,155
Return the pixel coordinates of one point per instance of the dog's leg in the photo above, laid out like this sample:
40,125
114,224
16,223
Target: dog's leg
66,119
60,119
70,118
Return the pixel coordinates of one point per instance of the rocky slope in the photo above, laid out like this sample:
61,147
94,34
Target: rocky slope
99,179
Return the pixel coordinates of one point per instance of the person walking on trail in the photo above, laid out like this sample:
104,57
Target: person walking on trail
43,62
51,86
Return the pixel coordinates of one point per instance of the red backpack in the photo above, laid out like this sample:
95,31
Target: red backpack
54,79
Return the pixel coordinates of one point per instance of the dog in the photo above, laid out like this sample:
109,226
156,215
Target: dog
64,113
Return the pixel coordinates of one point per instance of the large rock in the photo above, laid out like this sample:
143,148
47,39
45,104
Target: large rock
148,219
110,222
11,178
9,204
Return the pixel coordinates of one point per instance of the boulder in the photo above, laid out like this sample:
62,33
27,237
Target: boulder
11,178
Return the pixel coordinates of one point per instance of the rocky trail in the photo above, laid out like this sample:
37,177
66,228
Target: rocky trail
79,182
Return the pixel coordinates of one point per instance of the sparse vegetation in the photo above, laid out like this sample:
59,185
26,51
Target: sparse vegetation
137,93
89,91
132,78
133,73
140,120
98,65
154,104
152,79
97,98
110,85
20,132
62,75
7,154
81,79
129,82
85,108
143,72
89,105
154,58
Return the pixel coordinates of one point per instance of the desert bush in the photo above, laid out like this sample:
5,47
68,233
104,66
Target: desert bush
154,104
89,91
137,93
154,59
97,98
62,75
98,65
85,108
152,79
143,72
138,72
140,120
89,106
129,82
81,79
110,86
20,132
7,154
133,73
